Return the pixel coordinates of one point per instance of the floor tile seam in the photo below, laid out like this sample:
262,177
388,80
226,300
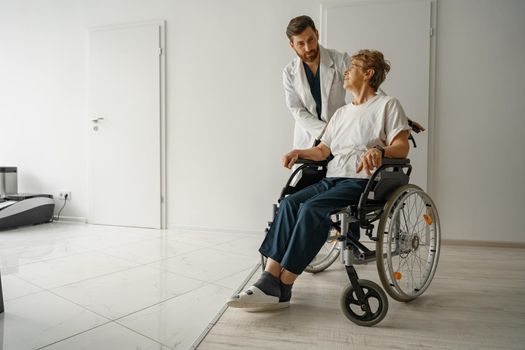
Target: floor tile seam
221,312
229,251
183,242
22,296
51,289
219,231
66,256
144,335
156,261
189,252
133,242
119,317
240,236
217,284
50,259
247,271
8,245
212,247
73,335
77,304
116,320
79,281
199,244
142,239
160,302
235,239
194,278
118,244
151,265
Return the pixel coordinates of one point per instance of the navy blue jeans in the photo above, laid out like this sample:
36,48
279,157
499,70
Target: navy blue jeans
302,222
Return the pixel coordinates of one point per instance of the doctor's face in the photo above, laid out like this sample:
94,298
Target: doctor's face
306,45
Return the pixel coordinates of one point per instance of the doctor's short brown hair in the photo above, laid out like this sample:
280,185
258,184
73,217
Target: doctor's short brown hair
298,25
373,59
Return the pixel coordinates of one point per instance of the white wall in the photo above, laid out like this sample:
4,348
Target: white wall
227,122
479,164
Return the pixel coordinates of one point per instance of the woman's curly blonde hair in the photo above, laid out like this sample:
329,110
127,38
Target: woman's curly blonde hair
373,59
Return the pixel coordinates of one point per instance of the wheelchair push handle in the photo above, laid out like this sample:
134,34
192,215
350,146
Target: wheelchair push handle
415,128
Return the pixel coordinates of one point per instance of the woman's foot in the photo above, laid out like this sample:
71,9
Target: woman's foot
264,295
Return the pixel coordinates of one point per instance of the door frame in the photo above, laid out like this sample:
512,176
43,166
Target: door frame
162,101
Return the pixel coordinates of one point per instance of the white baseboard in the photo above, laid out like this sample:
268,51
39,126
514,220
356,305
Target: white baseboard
186,228
477,243
76,219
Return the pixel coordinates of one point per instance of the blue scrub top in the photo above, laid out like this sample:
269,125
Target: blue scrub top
315,87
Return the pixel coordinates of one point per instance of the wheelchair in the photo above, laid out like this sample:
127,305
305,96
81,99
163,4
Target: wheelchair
407,238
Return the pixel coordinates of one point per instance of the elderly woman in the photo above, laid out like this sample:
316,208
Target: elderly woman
359,135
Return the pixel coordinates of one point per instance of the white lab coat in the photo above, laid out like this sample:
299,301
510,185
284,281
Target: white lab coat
300,101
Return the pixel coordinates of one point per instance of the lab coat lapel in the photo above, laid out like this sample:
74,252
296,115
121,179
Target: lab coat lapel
327,77
303,87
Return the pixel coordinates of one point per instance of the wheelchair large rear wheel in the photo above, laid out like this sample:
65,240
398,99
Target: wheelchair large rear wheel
328,253
408,245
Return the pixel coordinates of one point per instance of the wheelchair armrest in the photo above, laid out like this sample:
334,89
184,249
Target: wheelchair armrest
312,162
395,161
397,164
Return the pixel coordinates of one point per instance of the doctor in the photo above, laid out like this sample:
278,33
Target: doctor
313,82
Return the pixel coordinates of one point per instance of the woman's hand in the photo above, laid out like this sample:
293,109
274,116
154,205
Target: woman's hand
370,161
290,158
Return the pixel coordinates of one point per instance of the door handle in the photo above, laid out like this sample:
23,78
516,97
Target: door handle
96,120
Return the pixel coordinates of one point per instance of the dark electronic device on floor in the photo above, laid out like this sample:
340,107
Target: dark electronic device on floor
20,209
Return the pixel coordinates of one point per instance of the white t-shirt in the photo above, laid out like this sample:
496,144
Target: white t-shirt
354,129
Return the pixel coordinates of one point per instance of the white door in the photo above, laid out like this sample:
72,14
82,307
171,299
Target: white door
125,125
401,30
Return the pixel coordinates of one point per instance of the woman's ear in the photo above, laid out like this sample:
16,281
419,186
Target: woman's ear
369,73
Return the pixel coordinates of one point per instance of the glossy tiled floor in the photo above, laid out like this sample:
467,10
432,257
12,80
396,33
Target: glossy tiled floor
75,286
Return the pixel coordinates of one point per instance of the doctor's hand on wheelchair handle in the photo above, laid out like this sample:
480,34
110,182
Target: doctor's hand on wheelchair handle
370,161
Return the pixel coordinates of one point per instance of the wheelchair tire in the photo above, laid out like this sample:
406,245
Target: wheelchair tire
327,255
369,315
408,244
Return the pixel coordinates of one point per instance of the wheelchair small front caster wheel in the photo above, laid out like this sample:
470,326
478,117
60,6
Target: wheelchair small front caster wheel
372,311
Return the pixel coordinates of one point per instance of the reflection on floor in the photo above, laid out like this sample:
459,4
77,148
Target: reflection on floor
76,286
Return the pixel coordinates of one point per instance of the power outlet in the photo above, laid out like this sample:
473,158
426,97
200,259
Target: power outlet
62,195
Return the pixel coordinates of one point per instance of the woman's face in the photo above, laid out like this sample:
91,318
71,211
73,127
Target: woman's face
354,75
